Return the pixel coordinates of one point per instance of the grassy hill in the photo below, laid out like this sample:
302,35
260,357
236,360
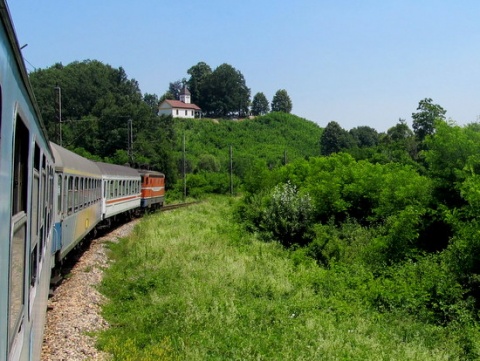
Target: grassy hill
265,138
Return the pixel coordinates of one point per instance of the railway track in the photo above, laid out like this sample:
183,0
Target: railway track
171,207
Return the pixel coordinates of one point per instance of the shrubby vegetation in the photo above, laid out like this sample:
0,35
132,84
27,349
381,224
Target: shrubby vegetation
192,285
408,221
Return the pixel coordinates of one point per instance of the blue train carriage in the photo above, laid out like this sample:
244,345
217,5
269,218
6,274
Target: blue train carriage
121,189
78,202
26,206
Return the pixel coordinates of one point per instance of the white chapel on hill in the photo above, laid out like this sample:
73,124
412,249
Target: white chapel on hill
182,108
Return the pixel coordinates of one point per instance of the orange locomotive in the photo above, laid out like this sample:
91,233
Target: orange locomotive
153,189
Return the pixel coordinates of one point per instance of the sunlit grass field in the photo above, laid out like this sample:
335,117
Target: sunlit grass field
191,285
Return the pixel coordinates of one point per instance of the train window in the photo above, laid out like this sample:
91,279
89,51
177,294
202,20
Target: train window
81,192
42,245
35,207
51,198
75,185
86,191
88,195
98,188
59,196
70,194
92,190
19,225
20,169
112,189
33,266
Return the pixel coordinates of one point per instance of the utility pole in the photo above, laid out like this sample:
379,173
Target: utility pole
184,171
58,112
231,171
130,141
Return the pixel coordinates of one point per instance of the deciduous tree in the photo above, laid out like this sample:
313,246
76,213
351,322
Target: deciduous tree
424,119
364,136
281,102
226,91
198,74
334,139
260,104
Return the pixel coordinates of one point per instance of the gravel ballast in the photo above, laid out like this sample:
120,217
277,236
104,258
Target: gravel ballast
74,310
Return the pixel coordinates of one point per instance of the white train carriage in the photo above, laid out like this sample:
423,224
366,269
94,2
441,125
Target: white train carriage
79,203
121,189
26,206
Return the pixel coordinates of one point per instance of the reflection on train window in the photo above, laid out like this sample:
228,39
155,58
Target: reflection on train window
19,224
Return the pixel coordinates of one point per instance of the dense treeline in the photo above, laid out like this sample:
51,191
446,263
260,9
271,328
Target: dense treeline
97,103
403,213
223,93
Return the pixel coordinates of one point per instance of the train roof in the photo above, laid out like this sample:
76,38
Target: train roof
7,24
117,170
151,173
67,161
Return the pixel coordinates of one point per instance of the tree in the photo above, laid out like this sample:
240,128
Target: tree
334,139
424,119
364,136
96,101
400,131
226,92
260,104
165,96
175,88
152,101
281,102
198,74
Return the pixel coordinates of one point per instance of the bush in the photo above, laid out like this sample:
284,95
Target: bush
288,215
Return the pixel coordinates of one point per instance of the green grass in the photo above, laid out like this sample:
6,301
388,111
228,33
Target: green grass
191,285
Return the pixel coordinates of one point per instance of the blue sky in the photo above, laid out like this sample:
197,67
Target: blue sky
356,62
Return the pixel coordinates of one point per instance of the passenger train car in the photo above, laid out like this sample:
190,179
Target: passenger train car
78,200
50,200
26,206
121,191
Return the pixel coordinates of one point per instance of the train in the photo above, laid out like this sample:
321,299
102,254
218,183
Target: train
51,199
